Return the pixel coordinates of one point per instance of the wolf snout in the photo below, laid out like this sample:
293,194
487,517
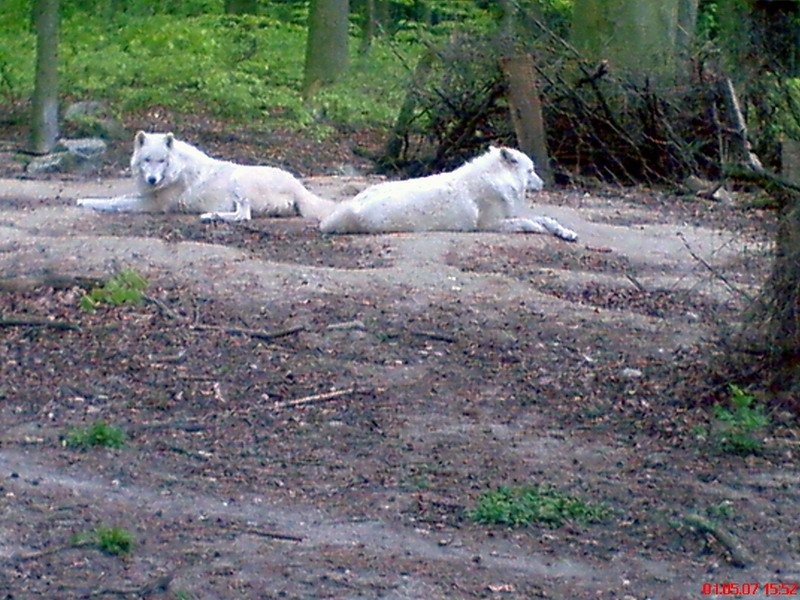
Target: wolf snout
152,180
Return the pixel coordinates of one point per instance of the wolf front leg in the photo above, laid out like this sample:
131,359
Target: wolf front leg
118,204
537,225
241,212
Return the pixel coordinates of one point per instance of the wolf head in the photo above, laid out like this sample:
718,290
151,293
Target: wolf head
519,163
152,160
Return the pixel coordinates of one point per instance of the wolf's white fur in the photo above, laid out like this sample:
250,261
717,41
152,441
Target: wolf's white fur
173,176
486,194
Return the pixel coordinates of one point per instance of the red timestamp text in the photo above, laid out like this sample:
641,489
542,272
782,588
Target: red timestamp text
749,589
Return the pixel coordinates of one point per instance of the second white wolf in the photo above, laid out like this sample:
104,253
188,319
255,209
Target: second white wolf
485,194
173,176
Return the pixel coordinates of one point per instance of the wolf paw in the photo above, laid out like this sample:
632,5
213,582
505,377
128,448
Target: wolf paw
568,235
209,217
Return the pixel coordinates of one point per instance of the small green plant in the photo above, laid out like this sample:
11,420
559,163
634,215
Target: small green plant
127,287
722,510
111,540
522,506
737,425
97,434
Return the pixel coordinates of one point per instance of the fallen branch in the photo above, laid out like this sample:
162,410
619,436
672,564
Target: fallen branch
254,333
315,398
739,555
270,534
60,325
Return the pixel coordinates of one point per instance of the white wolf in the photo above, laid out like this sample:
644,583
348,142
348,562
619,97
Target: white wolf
173,176
486,194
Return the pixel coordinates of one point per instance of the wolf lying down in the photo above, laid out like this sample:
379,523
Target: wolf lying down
486,194
173,176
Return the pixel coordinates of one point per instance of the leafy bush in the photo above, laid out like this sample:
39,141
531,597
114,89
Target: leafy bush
97,434
522,506
737,425
127,287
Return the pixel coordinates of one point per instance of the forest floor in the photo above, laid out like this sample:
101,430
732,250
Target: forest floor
430,368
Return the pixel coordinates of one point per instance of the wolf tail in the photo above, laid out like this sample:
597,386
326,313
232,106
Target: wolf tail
312,206
343,220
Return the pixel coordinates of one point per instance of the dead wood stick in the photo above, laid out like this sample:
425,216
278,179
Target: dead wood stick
158,585
749,158
739,555
165,310
714,271
315,398
254,333
60,325
270,534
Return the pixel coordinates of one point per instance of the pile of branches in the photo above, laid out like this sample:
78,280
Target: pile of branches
601,123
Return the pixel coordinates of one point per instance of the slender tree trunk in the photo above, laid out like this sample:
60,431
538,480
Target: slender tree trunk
44,122
241,7
368,27
327,46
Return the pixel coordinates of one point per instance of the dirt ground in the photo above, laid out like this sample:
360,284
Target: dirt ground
430,368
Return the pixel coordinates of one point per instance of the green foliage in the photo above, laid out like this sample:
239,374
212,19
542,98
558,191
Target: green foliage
738,424
97,434
127,287
522,506
115,541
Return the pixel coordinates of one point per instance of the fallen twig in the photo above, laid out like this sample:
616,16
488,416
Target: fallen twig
315,398
254,333
270,534
60,325
739,555
714,271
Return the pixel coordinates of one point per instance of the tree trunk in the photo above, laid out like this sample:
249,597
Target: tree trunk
44,122
327,46
526,112
241,7
641,38
368,27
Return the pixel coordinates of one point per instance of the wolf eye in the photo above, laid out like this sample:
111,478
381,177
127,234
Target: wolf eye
147,160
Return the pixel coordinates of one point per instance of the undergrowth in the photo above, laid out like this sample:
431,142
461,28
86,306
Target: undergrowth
115,541
97,434
127,287
523,506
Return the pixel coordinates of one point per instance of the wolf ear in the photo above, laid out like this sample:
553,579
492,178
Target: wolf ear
508,156
170,139
139,138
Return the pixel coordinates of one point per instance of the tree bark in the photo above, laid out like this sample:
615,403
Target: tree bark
368,28
642,38
44,121
526,112
327,45
241,7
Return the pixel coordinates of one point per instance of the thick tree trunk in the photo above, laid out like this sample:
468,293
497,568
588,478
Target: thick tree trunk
645,39
327,46
44,122
525,105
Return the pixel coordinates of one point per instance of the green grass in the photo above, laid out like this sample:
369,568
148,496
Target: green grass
243,68
527,505
97,434
127,287
739,427
115,541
